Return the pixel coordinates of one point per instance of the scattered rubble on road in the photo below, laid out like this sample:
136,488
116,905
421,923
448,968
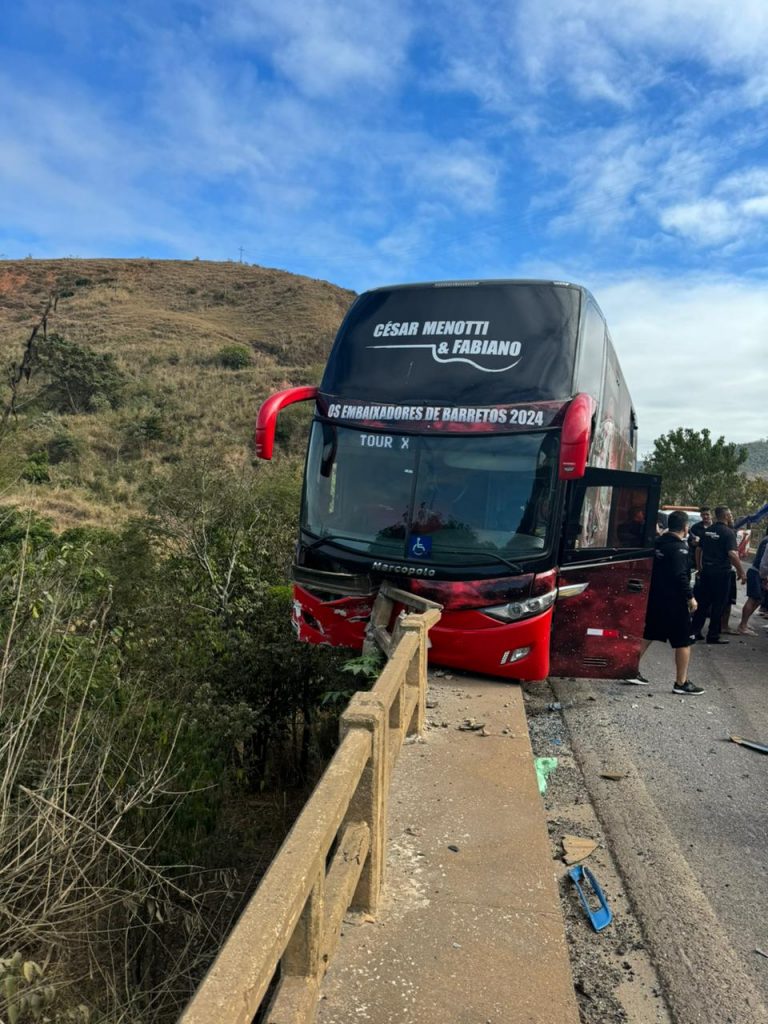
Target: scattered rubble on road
613,975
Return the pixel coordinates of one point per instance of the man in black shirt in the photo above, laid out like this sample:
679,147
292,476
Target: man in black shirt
715,555
671,601
697,531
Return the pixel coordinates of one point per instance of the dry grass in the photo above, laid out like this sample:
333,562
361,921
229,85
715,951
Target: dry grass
164,322
81,890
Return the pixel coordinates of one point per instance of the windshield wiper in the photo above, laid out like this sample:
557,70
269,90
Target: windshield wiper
317,541
497,558
327,540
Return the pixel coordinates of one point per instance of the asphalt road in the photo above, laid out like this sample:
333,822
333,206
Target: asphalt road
689,823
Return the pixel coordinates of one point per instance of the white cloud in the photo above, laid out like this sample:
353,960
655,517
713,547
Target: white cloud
693,352
568,36
757,205
325,47
708,221
733,211
461,172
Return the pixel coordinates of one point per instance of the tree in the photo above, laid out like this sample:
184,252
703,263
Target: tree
695,470
76,379
753,495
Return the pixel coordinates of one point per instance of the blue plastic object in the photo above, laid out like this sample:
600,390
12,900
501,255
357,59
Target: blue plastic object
602,916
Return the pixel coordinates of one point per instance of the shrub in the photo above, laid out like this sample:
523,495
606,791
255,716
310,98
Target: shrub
108,780
35,470
63,447
233,357
76,379
149,428
16,526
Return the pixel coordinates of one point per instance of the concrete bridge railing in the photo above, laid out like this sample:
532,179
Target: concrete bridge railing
333,858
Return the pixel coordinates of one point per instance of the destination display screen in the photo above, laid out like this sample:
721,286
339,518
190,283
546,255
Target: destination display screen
484,344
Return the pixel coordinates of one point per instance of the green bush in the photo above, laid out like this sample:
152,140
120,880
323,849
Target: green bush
63,447
16,526
35,469
75,379
233,357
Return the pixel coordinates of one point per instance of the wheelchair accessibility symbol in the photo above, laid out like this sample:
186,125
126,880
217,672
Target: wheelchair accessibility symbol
419,547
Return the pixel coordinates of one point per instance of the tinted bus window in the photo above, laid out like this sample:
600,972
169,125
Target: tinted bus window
613,517
589,372
486,343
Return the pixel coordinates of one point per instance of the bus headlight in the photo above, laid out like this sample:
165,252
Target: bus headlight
516,610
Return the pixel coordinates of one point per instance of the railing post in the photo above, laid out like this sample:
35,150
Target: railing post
370,801
416,676
301,964
302,954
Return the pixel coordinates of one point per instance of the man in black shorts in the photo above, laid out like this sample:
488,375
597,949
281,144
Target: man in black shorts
671,601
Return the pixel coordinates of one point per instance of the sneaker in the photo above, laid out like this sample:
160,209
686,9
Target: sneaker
718,641
638,679
687,688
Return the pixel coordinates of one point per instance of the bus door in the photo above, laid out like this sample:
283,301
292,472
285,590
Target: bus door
604,576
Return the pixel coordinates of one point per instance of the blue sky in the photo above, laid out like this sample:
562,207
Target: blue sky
623,146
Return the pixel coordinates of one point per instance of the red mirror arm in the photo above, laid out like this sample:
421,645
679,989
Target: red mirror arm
575,438
266,421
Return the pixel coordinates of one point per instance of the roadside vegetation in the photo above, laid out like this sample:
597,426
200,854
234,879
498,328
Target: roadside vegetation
697,470
159,725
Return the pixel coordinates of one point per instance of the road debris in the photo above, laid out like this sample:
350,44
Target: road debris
752,744
761,952
544,767
601,916
613,775
356,918
471,725
576,848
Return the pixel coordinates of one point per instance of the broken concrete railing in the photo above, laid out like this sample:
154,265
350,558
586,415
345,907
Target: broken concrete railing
294,918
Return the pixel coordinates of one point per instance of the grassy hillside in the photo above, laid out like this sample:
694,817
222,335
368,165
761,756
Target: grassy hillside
757,459
196,346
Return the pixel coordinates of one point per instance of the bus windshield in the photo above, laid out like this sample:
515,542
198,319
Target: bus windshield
452,500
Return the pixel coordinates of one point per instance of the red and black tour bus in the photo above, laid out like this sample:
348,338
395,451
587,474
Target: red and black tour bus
474,441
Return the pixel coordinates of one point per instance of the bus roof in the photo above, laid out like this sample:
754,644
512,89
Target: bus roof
472,283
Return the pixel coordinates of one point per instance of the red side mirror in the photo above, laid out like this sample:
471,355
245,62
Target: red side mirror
266,421
575,438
